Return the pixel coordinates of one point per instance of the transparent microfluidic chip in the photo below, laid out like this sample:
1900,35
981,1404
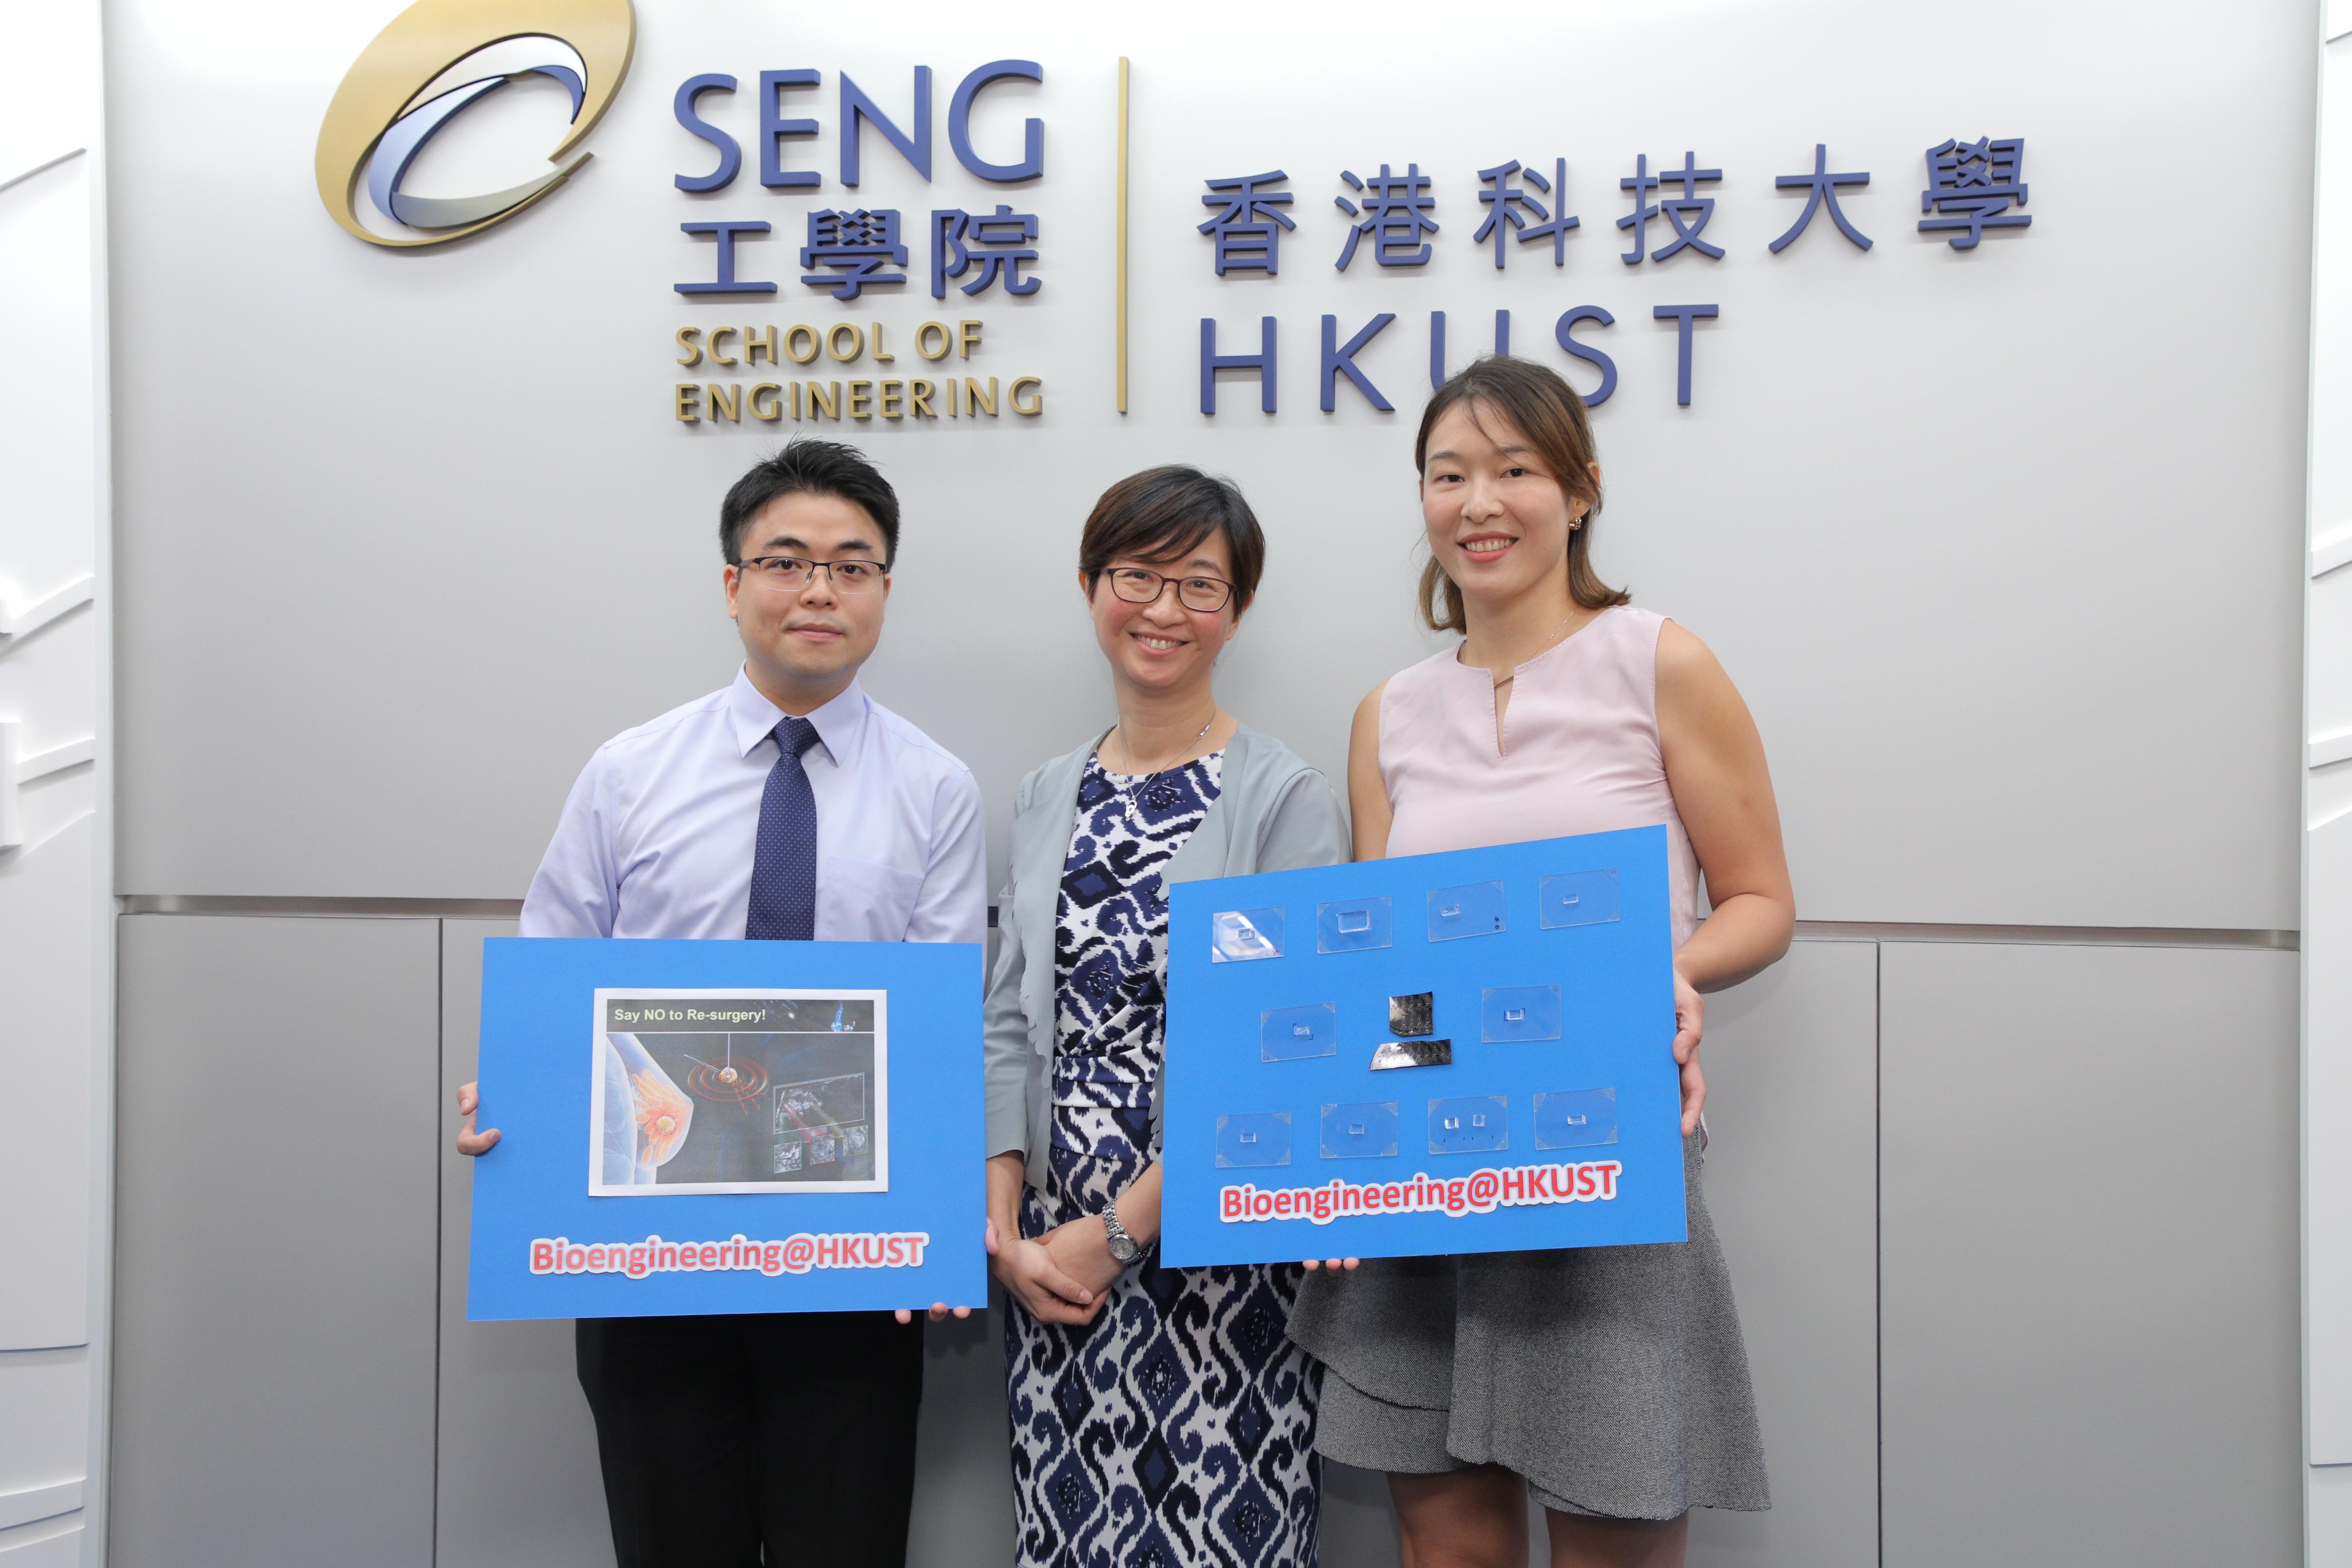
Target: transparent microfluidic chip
1508,1013
1474,909
1577,898
1238,936
1248,1138
1355,925
1289,1034
1364,1131
1576,1119
1469,1124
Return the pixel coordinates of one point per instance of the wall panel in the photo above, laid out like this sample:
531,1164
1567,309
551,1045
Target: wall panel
48,905
57,816
2090,1298
51,1543
2327,825
963,1469
44,1437
517,1481
1791,1177
1358,1525
274,1272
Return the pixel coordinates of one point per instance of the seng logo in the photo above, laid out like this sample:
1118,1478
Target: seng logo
435,60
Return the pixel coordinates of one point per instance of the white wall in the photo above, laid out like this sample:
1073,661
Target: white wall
2328,831
2000,544
2003,547
56,825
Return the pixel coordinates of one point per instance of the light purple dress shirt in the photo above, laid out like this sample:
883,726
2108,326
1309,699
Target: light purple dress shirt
658,836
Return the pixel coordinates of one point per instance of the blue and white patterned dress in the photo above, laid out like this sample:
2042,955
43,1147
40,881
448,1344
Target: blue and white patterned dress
1178,1428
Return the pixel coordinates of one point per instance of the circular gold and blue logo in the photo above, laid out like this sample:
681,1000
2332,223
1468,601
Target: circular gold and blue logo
435,60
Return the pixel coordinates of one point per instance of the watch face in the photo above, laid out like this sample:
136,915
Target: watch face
1123,1247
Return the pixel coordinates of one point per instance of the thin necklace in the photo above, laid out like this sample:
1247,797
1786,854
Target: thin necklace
1550,643
1126,793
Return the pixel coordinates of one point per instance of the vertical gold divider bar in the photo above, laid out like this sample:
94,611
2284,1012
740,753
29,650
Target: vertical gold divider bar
1122,234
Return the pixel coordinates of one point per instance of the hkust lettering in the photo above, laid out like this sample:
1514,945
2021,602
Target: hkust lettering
1480,1192
797,1254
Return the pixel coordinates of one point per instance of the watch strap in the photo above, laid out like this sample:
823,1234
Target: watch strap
1119,1233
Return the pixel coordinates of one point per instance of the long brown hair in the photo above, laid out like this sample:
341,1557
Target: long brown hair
1550,416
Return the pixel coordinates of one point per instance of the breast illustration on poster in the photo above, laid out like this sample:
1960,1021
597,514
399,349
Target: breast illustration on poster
739,1091
736,1103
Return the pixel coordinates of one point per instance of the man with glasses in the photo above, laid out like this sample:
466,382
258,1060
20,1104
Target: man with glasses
788,805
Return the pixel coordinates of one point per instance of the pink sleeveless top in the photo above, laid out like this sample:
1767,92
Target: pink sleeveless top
1580,750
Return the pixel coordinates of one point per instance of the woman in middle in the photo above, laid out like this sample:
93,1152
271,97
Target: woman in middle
1159,1417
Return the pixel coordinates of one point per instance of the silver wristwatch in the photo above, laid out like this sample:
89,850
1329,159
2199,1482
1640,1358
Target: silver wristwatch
1122,1246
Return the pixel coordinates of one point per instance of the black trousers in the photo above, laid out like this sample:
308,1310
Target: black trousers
783,1438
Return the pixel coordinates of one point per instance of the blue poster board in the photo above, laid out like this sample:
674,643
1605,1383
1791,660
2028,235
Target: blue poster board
698,1127
1466,1052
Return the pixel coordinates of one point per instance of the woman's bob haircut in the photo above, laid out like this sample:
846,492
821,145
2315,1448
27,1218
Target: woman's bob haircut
1162,514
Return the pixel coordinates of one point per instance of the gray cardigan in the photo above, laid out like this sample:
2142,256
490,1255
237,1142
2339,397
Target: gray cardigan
1273,812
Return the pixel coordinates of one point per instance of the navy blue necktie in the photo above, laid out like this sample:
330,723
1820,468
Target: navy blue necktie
783,868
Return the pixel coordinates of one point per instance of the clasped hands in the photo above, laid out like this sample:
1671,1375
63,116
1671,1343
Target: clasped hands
1064,1276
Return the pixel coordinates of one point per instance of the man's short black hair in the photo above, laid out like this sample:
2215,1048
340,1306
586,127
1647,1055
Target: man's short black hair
810,467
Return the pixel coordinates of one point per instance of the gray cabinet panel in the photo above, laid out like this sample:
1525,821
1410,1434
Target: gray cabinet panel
1791,1177
2090,1288
274,1257
1358,1525
963,1468
518,1483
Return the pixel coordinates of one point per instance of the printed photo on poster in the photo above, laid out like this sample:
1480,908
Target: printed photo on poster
739,1091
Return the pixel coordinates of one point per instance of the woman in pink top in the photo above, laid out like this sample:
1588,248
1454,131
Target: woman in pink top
1609,1383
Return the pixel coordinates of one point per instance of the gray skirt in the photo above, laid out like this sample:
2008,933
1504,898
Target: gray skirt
1612,1378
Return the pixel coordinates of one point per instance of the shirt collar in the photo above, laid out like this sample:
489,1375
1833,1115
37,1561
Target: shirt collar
752,718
